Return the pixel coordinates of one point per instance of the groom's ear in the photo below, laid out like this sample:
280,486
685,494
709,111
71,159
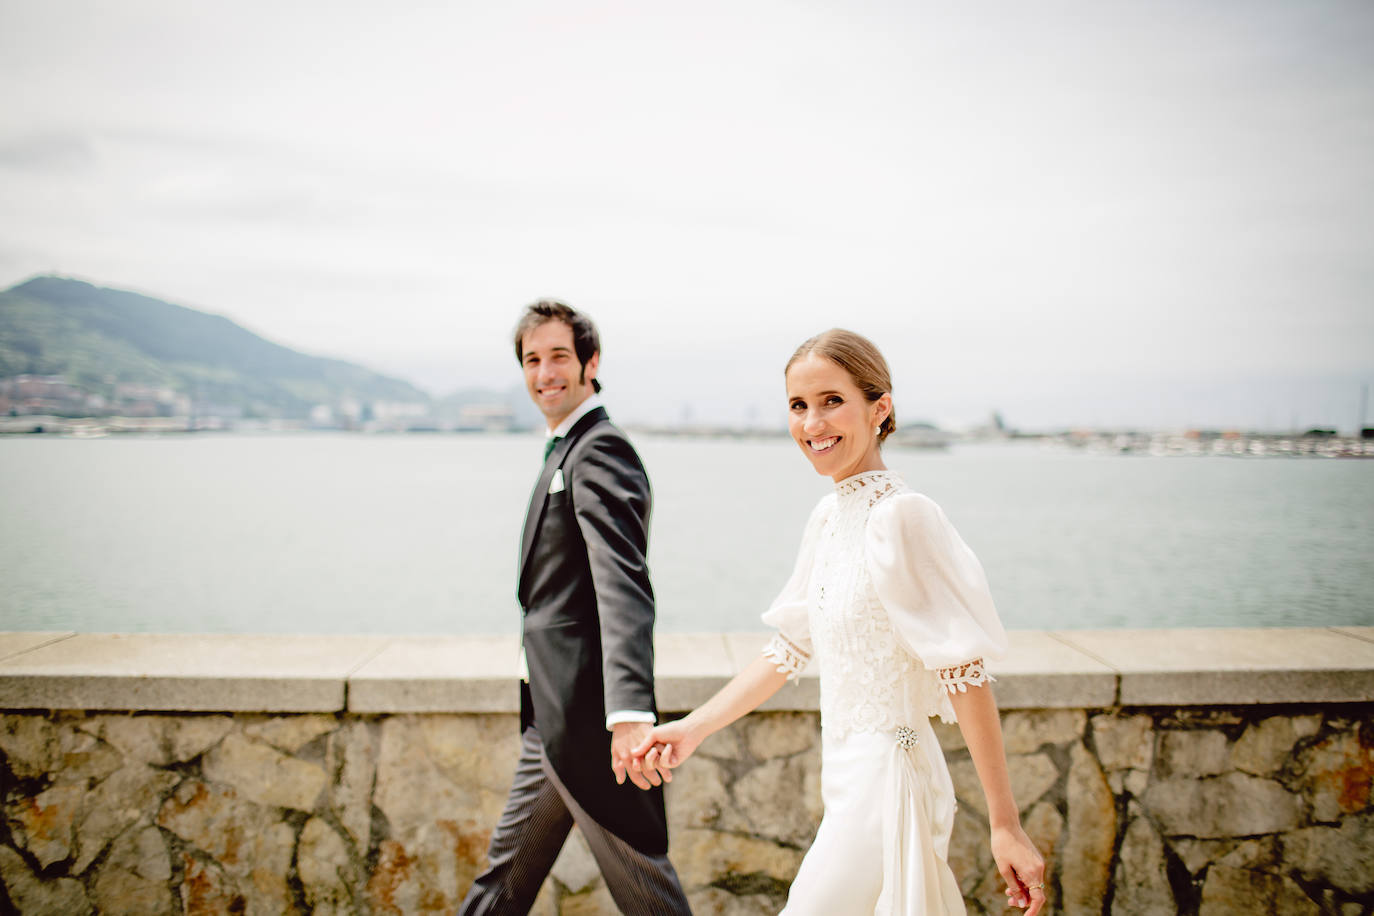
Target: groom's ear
590,367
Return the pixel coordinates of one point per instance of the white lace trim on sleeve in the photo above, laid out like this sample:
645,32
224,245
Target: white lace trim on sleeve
790,658
958,678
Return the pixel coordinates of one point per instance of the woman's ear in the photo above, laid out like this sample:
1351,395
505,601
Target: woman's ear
883,409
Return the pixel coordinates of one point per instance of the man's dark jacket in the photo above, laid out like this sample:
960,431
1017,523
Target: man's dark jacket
588,621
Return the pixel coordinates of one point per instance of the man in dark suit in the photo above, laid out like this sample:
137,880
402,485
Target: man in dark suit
588,697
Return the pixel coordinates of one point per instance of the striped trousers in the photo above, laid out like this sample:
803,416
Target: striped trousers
538,816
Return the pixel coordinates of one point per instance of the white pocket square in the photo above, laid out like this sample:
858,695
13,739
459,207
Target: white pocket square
556,485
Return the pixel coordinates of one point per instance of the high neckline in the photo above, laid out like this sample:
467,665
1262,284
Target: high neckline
866,481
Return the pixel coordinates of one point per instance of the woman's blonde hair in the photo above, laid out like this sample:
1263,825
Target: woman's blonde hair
856,355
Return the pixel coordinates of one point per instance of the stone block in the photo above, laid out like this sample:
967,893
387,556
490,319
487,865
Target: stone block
1267,745
266,882
439,812
1026,731
1201,752
134,878
82,759
265,775
705,857
33,896
1090,839
698,794
419,878
352,766
546,904
595,901
31,744
328,873
142,851
1045,826
481,751
205,888
44,825
1236,804
123,893
1198,854
1142,884
130,794
215,820
1124,742
1337,774
781,734
1338,857
159,739
713,901
420,781
291,733
969,857
781,799
1234,890
1254,854
576,868
1032,775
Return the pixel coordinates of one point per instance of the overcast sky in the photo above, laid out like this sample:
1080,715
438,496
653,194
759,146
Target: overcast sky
1105,213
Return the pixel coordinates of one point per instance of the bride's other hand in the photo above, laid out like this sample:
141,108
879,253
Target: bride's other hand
1021,866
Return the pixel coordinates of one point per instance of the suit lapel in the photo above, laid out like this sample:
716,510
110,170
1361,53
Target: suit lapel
540,497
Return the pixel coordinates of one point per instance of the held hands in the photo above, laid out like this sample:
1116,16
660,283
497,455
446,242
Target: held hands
658,751
625,737
1021,866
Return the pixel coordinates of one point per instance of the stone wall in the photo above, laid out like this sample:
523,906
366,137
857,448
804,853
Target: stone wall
1196,772
1247,810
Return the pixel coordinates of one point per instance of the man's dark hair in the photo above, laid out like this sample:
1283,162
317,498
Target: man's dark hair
586,342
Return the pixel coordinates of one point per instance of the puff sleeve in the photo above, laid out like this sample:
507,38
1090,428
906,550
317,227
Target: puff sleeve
790,647
934,590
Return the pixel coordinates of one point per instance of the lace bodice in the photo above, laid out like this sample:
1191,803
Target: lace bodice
879,620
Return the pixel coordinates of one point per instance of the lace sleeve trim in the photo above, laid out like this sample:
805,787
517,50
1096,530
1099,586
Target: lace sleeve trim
958,678
790,658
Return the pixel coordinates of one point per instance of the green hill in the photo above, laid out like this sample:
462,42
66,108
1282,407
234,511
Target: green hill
99,338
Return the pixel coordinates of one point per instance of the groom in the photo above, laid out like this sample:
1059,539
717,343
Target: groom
588,648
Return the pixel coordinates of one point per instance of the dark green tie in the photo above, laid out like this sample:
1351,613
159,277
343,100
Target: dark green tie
550,445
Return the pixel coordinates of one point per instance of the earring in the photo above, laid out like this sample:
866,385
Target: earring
877,430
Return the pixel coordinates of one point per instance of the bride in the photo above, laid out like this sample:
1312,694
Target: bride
895,609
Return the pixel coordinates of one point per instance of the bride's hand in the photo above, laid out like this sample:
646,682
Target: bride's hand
1022,867
666,747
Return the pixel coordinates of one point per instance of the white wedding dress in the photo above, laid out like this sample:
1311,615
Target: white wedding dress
895,609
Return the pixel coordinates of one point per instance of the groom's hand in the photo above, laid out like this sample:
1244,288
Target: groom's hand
625,736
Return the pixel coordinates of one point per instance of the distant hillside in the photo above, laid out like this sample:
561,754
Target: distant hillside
100,338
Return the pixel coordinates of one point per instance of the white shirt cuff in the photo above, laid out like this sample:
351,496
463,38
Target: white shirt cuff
628,715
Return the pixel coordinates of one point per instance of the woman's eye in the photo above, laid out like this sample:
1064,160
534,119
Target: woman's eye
798,405
834,399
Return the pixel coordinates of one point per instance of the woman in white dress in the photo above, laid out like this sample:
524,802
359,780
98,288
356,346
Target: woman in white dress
895,609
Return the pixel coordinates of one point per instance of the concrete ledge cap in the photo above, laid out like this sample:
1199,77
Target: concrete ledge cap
1233,666
12,644
377,674
185,672
439,674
